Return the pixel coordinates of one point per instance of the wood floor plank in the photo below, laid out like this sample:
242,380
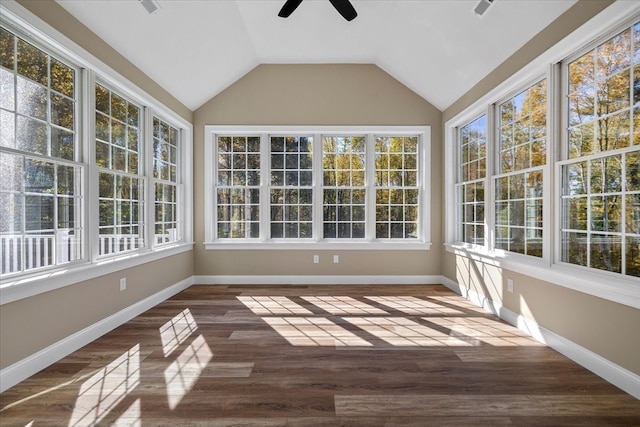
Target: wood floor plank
266,356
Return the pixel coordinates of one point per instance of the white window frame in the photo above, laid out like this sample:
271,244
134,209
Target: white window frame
611,286
23,285
423,242
180,217
459,182
141,176
494,173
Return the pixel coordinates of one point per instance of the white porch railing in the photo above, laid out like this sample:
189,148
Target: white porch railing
28,252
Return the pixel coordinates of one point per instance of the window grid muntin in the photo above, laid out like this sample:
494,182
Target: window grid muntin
238,187
33,238
397,200
291,187
344,186
519,198
166,178
470,188
121,184
599,225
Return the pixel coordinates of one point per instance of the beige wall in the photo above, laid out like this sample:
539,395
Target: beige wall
32,324
604,327
327,94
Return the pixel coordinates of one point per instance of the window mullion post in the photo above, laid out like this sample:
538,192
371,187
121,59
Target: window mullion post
265,180
180,195
370,192
424,169
91,205
551,187
210,183
146,152
317,187
489,195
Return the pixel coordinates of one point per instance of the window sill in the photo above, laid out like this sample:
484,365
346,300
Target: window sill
609,286
315,245
28,285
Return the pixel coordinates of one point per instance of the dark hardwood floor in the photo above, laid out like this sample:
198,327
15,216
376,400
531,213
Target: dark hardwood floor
316,356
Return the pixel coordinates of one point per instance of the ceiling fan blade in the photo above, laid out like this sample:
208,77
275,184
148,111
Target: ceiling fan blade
288,8
345,8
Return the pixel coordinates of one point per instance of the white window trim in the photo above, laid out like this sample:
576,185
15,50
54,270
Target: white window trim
423,243
610,286
28,284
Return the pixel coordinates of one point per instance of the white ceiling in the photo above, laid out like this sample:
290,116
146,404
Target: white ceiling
196,48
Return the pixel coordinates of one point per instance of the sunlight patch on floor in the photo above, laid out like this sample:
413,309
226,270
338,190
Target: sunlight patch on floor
483,329
131,417
177,330
314,331
184,371
264,306
338,305
414,306
400,331
107,388
460,303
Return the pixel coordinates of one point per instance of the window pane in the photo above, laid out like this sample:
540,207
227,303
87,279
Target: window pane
31,99
7,47
633,256
62,78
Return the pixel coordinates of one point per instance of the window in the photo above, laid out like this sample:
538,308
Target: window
80,170
40,175
343,187
317,186
397,189
560,141
291,187
601,172
166,174
120,183
521,150
238,187
470,188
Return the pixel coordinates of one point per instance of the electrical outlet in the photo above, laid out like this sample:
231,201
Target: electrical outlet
336,259
510,285
316,259
123,283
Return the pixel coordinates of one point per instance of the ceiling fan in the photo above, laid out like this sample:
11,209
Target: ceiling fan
344,7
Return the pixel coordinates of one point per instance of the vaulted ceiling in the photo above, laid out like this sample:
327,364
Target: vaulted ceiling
196,48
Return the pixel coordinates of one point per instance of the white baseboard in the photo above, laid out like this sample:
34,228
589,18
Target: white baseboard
318,280
19,371
615,374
